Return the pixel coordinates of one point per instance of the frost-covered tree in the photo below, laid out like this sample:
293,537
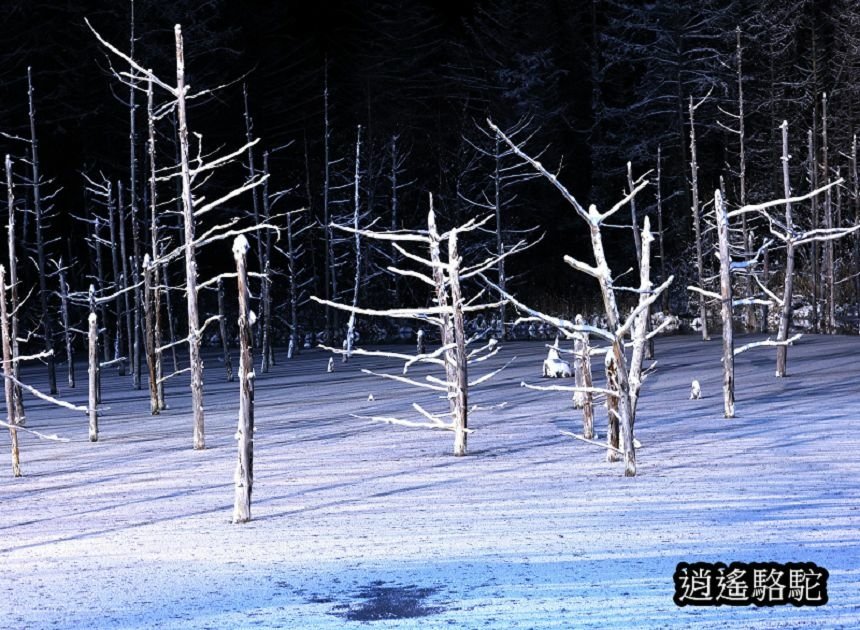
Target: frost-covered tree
440,266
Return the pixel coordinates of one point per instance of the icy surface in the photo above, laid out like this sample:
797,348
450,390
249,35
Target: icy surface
362,525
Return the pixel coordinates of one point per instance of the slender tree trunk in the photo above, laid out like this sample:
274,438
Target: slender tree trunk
788,283
118,282
244,476
102,309
697,222
150,290
155,296
726,309
829,285
446,329
67,334
98,372
268,345
17,396
196,361
47,331
612,433
171,320
582,363
665,297
255,204
813,206
7,374
350,329
126,283
93,374
462,382
222,327
500,245
329,272
855,239
742,174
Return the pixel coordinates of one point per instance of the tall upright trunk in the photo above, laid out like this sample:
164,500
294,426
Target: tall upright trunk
155,311
150,290
788,284
855,238
255,205
697,221
742,176
17,398
460,409
726,306
829,284
812,170
659,184
93,376
196,361
126,283
266,324
331,315
7,373
244,475
222,328
47,329
67,333
500,245
350,329
118,281
135,356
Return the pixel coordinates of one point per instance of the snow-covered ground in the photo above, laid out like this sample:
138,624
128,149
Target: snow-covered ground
355,520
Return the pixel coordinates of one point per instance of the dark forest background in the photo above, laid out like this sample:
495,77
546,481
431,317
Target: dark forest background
597,83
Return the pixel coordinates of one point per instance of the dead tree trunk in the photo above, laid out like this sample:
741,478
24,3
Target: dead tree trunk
268,345
829,284
350,329
697,220
446,331
126,283
222,328
64,312
726,306
812,169
93,381
98,372
13,293
244,476
582,372
459,402
97,244
118,282
7,374
788,285
612,437
255,204
196,361
154,294
38,211
149,293
659,184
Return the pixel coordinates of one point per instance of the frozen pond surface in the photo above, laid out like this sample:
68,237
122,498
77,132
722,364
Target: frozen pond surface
356,521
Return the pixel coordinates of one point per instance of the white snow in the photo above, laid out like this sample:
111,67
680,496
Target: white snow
531,530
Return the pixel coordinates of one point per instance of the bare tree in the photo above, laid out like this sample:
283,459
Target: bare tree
697,216
442,270
11,411
188,173
616,329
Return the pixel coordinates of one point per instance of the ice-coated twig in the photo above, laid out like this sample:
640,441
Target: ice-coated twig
408,381
595,442
569,388
768,342
41,436
45,397
411,423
